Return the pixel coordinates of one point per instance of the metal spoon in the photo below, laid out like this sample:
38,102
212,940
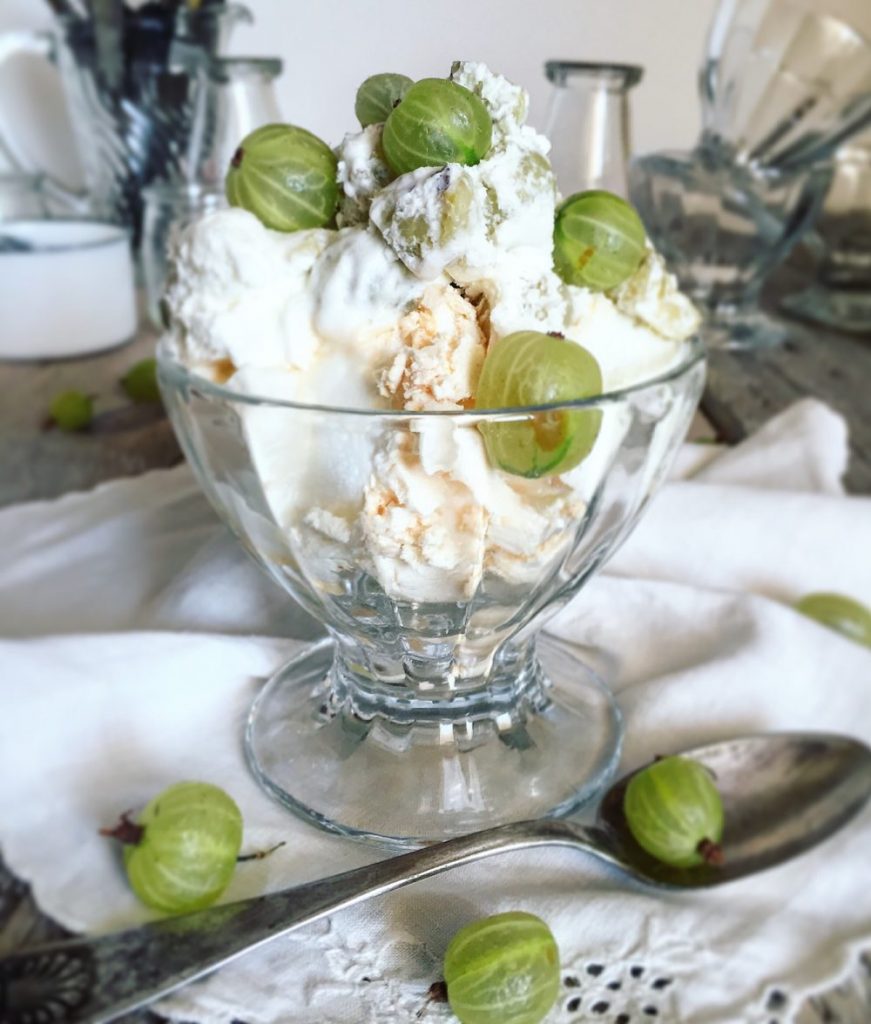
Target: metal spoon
782,793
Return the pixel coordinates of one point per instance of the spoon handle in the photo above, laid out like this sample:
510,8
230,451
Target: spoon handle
97,980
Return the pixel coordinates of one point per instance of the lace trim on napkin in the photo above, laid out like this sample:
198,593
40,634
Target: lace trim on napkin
366,975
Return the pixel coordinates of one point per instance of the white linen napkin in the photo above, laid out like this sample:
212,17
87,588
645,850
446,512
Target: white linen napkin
152,667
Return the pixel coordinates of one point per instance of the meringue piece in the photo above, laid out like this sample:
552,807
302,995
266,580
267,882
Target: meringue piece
329,525
528,521
423,533
442,353
457,218
521,293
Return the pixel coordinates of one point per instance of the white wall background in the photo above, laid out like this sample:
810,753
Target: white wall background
330,46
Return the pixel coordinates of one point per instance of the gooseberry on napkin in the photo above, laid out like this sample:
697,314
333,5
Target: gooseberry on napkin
181,852
502,969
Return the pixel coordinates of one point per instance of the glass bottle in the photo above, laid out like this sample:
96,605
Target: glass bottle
238,97
169,208
589,124
241,98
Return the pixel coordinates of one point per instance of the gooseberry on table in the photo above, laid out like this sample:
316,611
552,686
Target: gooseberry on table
675,813
503,969
71,411
840,613
140,381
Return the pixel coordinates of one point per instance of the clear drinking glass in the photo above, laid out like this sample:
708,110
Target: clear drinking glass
589,124
722,228
841,295
784,83
168,210
433,708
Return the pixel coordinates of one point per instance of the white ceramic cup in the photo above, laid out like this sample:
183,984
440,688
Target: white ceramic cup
69,293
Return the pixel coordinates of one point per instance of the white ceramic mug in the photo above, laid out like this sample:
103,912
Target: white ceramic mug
68,291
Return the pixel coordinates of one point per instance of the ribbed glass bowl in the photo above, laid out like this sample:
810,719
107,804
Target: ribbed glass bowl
433,707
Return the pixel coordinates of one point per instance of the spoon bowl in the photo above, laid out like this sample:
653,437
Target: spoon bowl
782,794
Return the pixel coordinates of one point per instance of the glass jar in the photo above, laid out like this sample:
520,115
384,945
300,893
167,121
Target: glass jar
168,210
137,109
242,99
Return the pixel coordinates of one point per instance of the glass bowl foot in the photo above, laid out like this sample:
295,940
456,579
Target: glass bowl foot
416,776
843,309
743,329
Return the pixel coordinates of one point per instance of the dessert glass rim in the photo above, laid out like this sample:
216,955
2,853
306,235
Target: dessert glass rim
111,234
696,352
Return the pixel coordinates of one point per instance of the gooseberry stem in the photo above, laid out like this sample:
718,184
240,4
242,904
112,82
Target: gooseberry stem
437,993
126,831
711,852
259,854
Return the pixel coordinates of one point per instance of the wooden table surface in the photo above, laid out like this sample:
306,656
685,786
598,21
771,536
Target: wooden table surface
744,390
125,439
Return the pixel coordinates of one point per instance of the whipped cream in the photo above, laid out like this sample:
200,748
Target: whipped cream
395,311
239,293
362,173
506,103
459,218
651,296
357,287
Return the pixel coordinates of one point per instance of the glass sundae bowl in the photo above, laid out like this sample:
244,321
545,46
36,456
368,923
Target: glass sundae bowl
433,707
430,402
